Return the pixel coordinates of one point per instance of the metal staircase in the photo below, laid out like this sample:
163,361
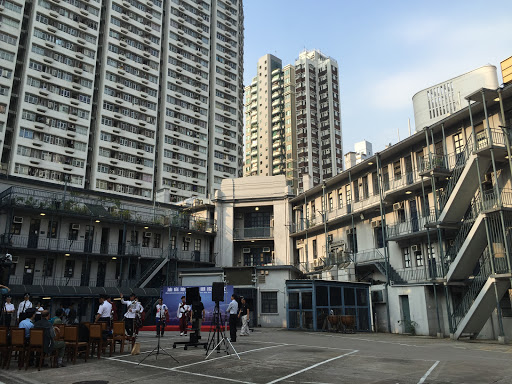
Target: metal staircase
155,267
394,277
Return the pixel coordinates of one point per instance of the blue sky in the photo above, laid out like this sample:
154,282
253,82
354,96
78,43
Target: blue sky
386,50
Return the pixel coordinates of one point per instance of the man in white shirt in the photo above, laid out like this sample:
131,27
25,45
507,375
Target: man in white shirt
161,315
183,314
24,305
233,318
134,309
8,310
104,311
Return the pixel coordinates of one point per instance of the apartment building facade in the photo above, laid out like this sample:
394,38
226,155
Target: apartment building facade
426,221
167,111
319,140
293,124
11,19
71,245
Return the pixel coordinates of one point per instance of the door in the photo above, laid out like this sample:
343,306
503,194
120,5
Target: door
28,271
105,232
33,233
100,275
414,215
406,314
89,238
86,274
408,170
120,243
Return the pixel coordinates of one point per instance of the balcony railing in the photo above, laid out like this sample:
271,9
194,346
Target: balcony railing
368,256
412,225
420,274
253,233
70,281
78,246
88,207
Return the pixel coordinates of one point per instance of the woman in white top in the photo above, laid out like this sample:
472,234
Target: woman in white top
8,310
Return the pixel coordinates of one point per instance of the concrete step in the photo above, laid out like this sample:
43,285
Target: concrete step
464,190
482,307
470,251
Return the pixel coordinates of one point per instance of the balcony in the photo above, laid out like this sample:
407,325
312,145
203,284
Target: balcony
369,256
412,226
70,282
38,243
253,233
430,272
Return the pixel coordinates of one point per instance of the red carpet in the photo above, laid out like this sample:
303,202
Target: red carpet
176,328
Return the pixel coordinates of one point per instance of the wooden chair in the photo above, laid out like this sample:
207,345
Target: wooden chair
36,345
95,338
73,346
118,337
17,347
60,334
4,346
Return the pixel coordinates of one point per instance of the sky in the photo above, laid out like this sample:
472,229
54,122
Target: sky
386,51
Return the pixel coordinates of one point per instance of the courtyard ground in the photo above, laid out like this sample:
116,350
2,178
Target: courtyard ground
270,356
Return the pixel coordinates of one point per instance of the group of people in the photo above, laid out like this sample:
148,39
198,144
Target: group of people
9,310
236,312
133,318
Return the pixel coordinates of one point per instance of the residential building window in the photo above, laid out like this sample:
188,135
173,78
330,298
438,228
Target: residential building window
331,203
134,236
419,257
16,228
340,198
348,193
73,231
173,242
379,240
145,241
69,268
356,191
48,267
315,253
157,239
52,229
407,257
352,240
197,245
185,244
269,302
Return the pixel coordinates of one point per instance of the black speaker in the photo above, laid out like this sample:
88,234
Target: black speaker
192,295
217,291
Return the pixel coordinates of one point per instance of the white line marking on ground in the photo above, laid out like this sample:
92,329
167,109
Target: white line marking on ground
177,370
303,345
223,357
312,366
212,377
372,341
422,380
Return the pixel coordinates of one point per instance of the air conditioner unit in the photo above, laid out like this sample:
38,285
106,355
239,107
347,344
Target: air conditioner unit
266,249
17,220
377,224
188,239
147,234
415,248
75,226
246,250
397,206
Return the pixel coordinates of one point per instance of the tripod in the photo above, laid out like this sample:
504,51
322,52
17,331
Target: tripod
217,337
156,350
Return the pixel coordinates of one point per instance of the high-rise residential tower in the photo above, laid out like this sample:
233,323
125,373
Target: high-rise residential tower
319,141
293,129
124,97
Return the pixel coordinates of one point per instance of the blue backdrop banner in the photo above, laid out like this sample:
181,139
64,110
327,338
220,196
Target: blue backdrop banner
172,298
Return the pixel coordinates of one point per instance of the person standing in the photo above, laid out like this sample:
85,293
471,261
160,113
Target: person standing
104,311
183,314
113,316
24,305
244,314
233,312
161,315
134,309
8,310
